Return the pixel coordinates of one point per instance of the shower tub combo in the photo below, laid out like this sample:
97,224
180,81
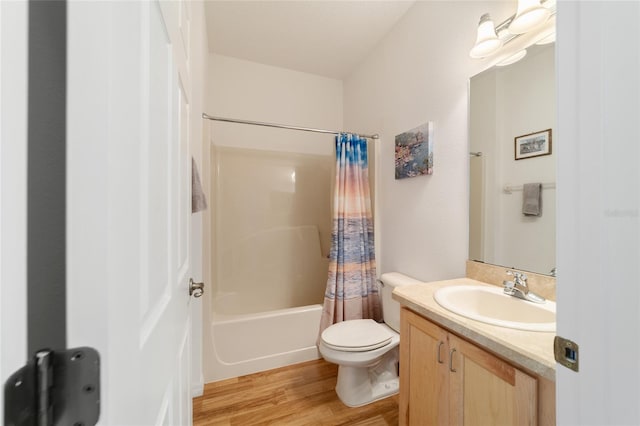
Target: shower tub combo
271,244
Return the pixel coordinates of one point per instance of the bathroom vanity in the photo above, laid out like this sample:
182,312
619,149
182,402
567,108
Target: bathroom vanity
455,370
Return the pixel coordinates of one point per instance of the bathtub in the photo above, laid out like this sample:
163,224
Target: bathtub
249,343
270,239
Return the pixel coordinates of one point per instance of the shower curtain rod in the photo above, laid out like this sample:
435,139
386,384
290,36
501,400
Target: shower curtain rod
282,126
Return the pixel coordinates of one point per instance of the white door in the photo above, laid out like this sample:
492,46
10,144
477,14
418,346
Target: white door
13,190
599,210
129,207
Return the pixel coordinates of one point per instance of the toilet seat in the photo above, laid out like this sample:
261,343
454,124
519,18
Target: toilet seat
356,336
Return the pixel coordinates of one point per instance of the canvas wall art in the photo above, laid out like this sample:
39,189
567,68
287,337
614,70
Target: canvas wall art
414,152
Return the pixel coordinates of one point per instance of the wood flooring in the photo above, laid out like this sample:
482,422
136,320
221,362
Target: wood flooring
300,394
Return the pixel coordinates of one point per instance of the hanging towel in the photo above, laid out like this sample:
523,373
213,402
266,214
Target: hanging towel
532,199
198,200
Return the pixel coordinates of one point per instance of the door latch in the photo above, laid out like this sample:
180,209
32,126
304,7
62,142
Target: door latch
55,388
566,353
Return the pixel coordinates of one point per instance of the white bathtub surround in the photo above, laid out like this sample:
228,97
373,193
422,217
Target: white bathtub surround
263,311
250,343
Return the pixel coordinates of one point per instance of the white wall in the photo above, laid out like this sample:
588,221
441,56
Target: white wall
420,73
247,90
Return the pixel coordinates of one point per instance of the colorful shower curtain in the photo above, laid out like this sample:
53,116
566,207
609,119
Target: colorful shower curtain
352,291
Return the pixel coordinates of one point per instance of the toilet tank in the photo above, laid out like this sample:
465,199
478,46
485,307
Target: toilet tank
391,308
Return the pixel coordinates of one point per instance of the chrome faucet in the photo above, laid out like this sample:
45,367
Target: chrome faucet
519,288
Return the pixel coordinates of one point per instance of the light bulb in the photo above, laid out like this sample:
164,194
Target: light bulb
530,14
512,59
548,37
487,41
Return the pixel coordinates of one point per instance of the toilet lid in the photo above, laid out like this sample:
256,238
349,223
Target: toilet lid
356,335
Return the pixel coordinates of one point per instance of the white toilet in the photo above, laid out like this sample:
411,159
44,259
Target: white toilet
367,351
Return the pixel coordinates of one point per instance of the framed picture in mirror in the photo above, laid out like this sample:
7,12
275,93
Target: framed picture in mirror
533,145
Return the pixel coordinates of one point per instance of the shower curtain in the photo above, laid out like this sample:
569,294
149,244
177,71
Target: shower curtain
351,291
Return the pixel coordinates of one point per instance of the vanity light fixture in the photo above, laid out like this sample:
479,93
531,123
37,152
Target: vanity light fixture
529,19
530,15
513,58
546,38
487,41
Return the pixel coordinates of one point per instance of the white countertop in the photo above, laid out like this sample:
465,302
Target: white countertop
530,350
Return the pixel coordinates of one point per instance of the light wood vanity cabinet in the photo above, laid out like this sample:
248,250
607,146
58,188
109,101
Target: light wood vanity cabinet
445,380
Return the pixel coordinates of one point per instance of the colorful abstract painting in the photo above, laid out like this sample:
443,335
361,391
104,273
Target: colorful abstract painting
414,152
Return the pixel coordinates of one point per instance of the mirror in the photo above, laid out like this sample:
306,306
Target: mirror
506,103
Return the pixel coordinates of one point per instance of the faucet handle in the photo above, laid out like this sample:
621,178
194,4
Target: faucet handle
519,277
509,288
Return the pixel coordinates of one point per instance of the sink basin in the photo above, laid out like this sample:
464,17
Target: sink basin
490,305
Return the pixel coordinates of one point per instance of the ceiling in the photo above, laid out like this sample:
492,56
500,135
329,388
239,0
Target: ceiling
324,37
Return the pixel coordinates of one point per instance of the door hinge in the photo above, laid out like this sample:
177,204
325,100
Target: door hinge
55,388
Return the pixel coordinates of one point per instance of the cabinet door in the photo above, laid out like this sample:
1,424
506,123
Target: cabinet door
484,390
424,385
